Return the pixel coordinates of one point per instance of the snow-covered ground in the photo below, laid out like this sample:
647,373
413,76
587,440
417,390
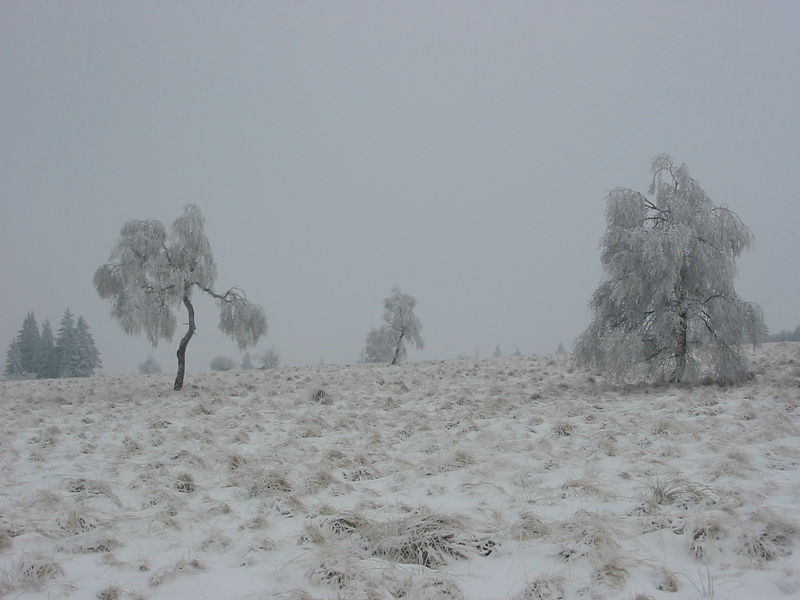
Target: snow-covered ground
509,478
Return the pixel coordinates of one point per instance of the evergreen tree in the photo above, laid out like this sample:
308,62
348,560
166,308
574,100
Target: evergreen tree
497,352
13,368
66,348
28,344
47,356
87,357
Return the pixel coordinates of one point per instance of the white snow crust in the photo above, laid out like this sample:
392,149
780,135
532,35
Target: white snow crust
515,478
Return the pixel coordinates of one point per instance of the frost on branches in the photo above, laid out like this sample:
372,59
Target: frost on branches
668,310
401,325
151,273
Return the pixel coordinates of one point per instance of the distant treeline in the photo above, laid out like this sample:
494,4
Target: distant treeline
35,354
785,336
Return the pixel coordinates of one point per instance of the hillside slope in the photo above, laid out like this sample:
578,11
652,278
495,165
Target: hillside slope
510,478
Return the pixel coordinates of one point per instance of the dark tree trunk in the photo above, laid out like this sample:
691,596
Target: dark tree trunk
184,342
397,350
683,348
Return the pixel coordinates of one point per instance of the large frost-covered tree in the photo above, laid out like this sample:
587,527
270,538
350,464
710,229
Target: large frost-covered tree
668,310
401,326
151,273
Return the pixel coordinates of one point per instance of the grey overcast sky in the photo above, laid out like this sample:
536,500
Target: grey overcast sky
459,150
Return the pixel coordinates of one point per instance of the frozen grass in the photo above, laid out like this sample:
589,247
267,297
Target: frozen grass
499,479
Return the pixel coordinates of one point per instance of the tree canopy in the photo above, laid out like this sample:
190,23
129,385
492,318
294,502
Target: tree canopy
151,273
667,309
388,342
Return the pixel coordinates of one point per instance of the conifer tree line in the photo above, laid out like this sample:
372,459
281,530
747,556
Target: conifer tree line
35,354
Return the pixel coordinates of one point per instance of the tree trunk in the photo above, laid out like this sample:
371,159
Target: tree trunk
184,342
397,350
683,348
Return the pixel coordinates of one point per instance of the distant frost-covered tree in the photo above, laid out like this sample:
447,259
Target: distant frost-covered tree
380,346
271,359
151,273
668,310
222,363
150,367
401,326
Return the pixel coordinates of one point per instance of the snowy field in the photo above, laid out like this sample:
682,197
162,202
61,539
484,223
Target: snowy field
508,478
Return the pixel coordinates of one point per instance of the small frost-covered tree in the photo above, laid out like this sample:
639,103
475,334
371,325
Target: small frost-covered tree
271,359
222,363
150,367
400,326
668,310
151,273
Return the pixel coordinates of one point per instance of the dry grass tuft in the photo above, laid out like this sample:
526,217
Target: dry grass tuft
767,537
184,483
112,592
705,537
543,588
587,535
668,581
33,572
85,489
260,483
422,538
181,567
527,527
680,493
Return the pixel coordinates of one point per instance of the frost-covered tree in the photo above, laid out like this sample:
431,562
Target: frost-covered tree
668,310
67,347
380,346
247,362
271,359
222,363
87,357
47,356
149,367
497,352
400,326
151,273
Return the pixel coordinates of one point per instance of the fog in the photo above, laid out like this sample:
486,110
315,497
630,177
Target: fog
459,150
